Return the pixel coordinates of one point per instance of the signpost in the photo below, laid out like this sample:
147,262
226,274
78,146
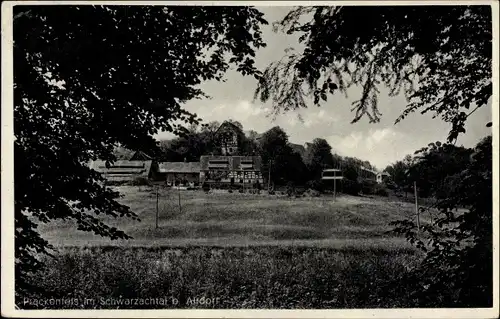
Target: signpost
327,176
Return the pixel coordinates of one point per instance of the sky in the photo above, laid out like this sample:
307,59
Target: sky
380,143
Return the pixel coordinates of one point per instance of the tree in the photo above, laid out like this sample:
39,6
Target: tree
434,164
295,170
458,264
210,127
320,157
188,147
399,174
250,145
252,135
87,78
439,56
350,183
275,153
207,133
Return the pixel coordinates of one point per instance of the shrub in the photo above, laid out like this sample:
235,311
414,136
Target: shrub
258,186
316,184
313,193
205,187
350,187
368,186
381,190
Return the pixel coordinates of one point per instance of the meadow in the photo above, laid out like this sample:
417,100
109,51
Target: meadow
223,219
236,250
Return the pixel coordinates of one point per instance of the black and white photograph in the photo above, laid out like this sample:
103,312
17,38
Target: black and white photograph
244,159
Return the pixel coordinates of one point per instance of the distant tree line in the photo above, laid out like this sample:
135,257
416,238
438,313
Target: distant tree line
290,164
430,168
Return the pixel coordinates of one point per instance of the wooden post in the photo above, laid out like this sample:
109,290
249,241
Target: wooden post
269,178
157,211
179,193
416,205
334,186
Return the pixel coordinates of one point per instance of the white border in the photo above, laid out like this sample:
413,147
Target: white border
7,231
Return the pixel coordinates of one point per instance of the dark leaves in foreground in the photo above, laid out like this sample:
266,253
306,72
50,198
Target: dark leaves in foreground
88,78
438,56
457,268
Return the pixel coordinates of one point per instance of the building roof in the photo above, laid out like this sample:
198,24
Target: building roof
122,170
368,170
179,167
228,124
233,161
140,156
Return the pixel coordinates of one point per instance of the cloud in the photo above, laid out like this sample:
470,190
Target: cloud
250,115
379,146
320,117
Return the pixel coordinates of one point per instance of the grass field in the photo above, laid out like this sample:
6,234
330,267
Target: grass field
257,277
240,250
223,219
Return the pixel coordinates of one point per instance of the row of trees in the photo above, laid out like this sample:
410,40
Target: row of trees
430,168
287,162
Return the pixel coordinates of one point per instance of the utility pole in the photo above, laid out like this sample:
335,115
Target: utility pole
416,205
157,211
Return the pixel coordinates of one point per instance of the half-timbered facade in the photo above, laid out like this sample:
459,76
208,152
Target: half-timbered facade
228,136
231,170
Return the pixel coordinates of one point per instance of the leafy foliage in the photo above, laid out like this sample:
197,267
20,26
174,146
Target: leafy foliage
398,172
84,75
276,155
203,140
457,269
320,157
439,56
434,164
